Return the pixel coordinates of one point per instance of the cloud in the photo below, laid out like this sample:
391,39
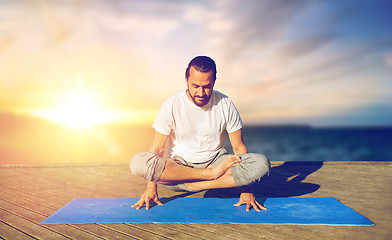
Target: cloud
332,67
302,47
254,19
270,54
137,19
230,28
319,43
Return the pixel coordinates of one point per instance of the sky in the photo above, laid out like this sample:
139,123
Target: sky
323,63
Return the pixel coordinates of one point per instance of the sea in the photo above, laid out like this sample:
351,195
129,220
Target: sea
305,143
28,140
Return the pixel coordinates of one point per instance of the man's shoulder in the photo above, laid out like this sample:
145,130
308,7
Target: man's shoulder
220,95
221,98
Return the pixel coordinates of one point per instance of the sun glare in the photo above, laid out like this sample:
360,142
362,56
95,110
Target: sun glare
81,108
78,109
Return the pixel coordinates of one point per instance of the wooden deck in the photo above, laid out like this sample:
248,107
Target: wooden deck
29,194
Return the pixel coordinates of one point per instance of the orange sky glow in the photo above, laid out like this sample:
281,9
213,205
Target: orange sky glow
82,64
132,55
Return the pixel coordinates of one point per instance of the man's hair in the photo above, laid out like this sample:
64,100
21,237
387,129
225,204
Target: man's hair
201,64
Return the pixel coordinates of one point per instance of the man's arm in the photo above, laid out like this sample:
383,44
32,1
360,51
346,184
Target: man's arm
158,145
151,193
237,142
246,197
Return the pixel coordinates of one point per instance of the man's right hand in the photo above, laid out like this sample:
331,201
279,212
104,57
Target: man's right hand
150,193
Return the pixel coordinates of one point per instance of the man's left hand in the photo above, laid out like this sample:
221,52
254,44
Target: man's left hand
249,199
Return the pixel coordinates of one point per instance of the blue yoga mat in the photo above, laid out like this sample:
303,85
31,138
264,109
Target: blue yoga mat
315,211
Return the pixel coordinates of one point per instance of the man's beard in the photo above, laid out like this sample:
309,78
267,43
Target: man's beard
204,100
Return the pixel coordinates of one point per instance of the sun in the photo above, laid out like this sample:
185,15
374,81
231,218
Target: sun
82,107
77,109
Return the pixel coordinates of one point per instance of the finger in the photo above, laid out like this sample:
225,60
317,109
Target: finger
147,205
258,206
136,204
255,206
247,207
158,202
261,206
238,204
139,206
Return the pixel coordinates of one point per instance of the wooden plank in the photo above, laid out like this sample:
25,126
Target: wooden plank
234,232
221,232
83,231
45,211
133,231
162,230
31,212
8,231
170,235
27,226
139,233
192,229
161,233
363,186
88,182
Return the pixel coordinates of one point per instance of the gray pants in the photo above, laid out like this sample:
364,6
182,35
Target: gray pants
251,169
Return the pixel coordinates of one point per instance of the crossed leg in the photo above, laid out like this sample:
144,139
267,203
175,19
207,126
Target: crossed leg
225,181
175,173
225,174
251,169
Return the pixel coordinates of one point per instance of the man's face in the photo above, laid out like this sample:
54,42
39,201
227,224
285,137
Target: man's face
200,86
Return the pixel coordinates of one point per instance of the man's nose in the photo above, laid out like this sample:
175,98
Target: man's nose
201,92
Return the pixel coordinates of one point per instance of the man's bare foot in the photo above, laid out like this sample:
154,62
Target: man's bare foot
220,169
194,186
217,171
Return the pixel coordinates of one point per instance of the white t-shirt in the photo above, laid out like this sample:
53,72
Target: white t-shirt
197,134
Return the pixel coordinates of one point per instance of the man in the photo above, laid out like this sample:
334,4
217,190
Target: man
195,121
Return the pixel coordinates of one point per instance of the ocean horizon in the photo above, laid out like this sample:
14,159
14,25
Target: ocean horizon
307,143
29,140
